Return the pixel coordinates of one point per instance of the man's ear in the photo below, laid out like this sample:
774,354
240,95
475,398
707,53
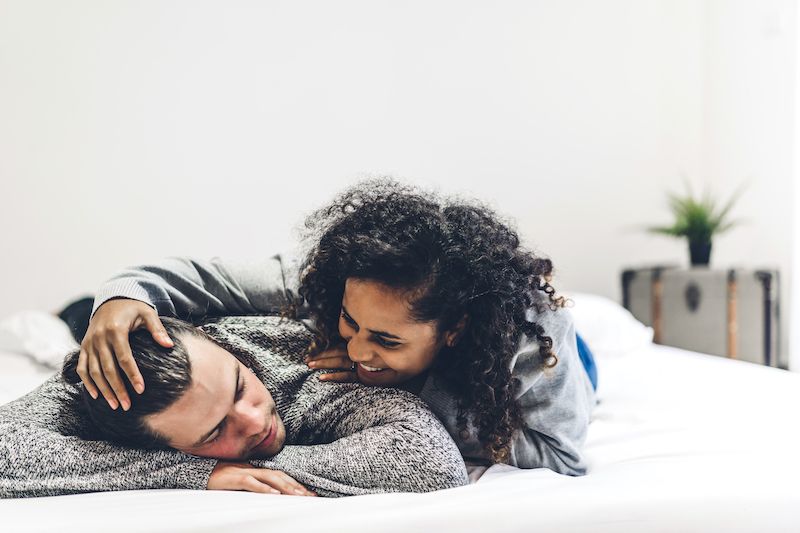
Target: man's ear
454,334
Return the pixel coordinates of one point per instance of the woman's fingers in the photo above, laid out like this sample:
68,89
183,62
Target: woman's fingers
111,372
339,377
83,371
156,329
334,358
330,362
106,353
96,372
125,360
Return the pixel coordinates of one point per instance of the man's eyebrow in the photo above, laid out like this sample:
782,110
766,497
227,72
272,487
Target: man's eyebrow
215,428
379,333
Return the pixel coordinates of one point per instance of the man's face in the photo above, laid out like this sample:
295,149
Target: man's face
227,413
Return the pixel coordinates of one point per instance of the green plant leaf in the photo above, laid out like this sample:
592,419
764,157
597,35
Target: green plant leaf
666,231
698,219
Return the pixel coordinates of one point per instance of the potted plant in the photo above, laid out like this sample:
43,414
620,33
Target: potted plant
698,219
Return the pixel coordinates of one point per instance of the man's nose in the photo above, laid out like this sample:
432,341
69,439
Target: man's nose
251,421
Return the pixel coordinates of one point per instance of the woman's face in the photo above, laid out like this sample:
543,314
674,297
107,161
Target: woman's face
387,346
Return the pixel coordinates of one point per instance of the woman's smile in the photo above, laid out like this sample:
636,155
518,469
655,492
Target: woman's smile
386,344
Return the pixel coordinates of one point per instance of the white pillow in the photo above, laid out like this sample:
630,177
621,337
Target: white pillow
41,336
609,329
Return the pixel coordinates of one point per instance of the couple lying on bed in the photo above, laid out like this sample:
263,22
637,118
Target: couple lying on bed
402,289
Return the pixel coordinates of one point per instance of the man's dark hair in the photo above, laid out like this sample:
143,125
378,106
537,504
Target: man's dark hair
167,373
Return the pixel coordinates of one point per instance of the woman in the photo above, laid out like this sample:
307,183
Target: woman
402,289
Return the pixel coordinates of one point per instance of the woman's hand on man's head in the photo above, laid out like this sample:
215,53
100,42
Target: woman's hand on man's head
105,349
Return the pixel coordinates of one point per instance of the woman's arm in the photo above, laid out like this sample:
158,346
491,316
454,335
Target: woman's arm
556,402
194,289
186,288
45,451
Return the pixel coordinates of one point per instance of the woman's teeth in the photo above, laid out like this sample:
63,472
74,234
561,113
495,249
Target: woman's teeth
371,368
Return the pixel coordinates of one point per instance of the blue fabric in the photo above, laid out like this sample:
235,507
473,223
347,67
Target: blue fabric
588,360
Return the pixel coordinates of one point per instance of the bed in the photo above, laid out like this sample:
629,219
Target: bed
679,441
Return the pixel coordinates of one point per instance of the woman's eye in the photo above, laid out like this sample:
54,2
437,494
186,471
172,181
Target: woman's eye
349,320
380,340
387,344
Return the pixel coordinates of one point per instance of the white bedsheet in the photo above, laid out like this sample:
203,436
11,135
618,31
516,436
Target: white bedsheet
679,442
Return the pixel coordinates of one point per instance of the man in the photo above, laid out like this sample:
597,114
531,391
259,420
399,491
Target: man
245,395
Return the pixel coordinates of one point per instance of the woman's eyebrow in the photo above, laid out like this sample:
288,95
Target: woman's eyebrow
215,428
379,333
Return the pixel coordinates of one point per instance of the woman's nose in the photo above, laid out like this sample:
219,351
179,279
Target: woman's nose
357,352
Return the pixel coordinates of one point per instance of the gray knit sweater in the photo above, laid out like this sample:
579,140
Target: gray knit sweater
342,439
556,402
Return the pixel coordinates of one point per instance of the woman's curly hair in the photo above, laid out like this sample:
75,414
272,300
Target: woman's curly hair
451,258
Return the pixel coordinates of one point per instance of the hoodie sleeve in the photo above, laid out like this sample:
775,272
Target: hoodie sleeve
556,402
195,289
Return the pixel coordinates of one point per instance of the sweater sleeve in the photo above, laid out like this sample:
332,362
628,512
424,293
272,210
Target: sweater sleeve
556,402
372,440
194,289
46,450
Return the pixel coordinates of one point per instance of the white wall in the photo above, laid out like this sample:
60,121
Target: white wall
133,130
750,97
794,320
